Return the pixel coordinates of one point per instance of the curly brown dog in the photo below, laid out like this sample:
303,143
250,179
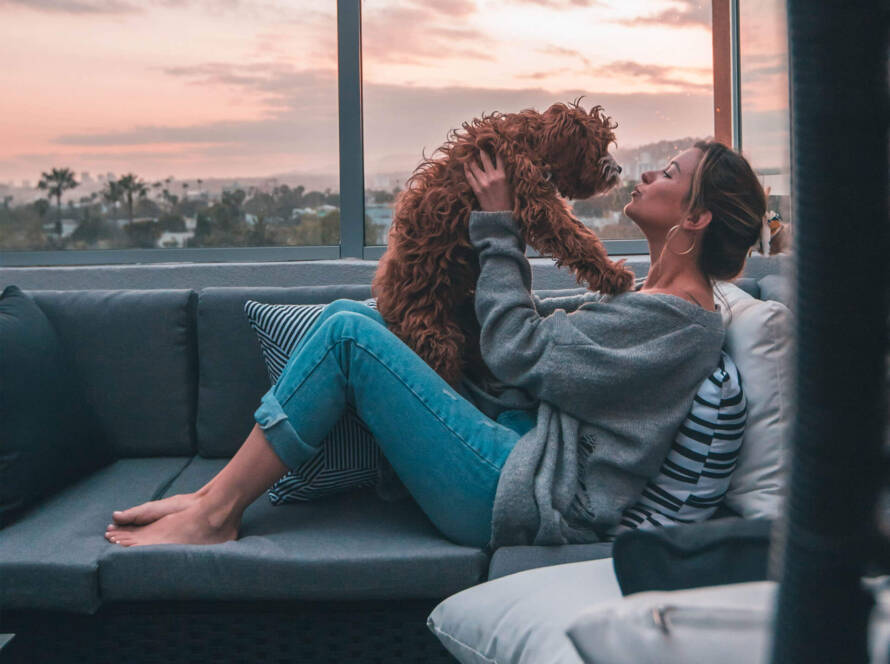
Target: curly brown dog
426,280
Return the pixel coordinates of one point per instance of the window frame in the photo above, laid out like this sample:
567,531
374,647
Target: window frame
727,129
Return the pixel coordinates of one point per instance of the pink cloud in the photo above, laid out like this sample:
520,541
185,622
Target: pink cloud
693,13
77,6
655,74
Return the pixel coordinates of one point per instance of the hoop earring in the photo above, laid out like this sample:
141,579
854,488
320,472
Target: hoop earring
670,235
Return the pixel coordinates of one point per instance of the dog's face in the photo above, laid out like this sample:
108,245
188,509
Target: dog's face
574,146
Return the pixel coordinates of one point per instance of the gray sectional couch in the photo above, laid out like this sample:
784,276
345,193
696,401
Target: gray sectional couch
175,376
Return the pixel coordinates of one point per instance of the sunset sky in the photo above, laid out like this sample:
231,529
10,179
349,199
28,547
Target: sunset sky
228,88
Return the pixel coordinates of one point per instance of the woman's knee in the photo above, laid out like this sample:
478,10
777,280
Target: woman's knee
352,306
349,322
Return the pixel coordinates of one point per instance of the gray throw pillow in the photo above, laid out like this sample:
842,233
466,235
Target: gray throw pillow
49,435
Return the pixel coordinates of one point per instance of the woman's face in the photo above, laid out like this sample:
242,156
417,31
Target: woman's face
656,203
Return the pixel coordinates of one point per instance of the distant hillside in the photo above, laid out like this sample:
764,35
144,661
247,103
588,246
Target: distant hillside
660,150
650,156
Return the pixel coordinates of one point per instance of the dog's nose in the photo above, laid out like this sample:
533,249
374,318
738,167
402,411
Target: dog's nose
619,169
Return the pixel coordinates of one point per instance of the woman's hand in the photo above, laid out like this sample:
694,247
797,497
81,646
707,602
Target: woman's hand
490,185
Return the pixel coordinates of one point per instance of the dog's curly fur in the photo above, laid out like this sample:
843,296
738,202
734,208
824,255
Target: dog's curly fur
426,280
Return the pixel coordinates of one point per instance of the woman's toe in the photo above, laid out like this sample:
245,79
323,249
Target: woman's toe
120,530
140,514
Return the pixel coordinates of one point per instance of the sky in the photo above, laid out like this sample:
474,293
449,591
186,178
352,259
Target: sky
229,88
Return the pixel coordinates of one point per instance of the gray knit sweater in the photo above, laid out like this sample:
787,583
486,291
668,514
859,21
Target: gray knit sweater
612,379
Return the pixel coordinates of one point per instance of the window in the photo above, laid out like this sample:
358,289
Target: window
428,67
765,131
226,114
136,125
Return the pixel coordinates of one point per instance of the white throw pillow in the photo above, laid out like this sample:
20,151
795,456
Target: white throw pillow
730,624
523,617
759,340
726,624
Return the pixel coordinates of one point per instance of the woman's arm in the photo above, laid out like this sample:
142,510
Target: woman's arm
493,193
515,338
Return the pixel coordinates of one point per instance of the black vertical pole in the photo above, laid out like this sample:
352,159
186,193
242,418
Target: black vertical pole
839,109
352,165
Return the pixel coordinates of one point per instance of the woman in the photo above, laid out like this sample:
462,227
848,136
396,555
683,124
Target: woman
594,387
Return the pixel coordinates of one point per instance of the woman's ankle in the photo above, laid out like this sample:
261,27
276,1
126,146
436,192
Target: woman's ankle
222,510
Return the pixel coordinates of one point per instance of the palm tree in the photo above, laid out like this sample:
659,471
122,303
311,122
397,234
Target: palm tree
131,186
56,183
112,193
172,199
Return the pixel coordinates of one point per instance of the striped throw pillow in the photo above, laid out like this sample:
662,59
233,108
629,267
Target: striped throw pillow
348,457
695,475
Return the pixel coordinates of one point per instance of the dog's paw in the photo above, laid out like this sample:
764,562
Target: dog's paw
616,280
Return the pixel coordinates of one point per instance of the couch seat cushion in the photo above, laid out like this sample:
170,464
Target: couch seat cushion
49,557
351,546
512,559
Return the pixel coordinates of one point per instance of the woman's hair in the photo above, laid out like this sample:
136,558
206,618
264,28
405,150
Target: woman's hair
725,184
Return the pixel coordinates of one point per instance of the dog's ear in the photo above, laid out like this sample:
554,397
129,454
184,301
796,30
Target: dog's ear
573,144
560,133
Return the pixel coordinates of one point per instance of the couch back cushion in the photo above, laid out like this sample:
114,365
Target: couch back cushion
232,375
134,351
759,339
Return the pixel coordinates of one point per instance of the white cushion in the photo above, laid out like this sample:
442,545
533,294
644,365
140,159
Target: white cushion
759,340
522,617
725,624
730,624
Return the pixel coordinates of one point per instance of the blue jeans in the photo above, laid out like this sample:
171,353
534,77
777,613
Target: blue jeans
446,452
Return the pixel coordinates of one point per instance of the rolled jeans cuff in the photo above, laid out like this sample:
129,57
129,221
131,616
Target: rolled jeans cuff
283,438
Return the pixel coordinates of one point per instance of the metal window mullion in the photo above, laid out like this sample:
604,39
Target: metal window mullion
736,61
352,170
73,257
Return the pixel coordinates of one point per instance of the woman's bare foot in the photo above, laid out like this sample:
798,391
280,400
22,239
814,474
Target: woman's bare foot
199,522
153,510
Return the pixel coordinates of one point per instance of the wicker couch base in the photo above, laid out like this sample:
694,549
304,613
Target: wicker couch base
226,633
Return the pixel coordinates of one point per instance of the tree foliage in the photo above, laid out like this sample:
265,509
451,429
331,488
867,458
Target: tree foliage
248,216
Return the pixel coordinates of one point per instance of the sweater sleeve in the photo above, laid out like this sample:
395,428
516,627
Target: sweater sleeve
515,338
603,354
568,303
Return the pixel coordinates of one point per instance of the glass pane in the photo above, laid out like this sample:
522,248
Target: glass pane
200,124
428,68
766,137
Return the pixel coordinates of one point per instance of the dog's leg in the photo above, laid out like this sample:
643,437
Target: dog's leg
559,234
